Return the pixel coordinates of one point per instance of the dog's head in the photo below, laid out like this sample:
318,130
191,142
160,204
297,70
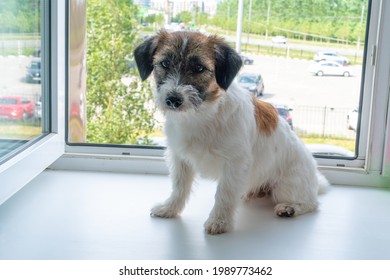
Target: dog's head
189,68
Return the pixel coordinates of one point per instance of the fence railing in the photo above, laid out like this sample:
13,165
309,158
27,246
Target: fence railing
323,121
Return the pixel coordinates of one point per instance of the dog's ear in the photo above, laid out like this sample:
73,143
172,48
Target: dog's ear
228,63
143,55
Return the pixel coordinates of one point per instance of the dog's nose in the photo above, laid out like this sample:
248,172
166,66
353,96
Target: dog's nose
173,102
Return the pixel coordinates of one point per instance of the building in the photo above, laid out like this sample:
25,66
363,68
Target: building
175,7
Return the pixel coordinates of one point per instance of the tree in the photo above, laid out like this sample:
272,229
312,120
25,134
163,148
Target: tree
185,17
117,112
20,16
336,18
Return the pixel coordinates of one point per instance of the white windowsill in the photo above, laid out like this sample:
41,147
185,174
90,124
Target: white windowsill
96,215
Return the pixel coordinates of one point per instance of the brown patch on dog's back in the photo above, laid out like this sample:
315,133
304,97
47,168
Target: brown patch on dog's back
266,116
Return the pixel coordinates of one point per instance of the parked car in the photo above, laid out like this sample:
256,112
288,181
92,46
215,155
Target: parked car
352,119
16,108
252,82
279,40
38,109
34,72
331,56
37,52
246,59
284,112
329,68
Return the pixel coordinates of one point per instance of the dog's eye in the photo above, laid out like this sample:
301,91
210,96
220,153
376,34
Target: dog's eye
165,64
199,68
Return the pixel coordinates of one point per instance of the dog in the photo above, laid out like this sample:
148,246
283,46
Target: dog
220,130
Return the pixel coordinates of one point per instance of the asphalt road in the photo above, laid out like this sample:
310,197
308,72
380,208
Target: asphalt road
289,80
13,71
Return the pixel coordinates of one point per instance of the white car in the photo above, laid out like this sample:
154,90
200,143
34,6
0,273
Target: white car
331,56
329,68
279,40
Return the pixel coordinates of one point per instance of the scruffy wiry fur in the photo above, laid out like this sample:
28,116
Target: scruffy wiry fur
221,131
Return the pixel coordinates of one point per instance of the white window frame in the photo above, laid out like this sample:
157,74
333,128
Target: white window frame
38,155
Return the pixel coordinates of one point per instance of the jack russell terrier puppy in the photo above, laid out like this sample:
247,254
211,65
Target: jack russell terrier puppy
220,130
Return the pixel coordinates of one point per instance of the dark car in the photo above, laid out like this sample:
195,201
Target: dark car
246,59
252,82
34,72
284,112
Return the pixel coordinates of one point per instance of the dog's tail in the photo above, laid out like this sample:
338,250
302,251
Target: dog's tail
323,183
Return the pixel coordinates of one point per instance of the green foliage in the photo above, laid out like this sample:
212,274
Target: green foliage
185,17
334,19
20,16
193,18
154,18
117,112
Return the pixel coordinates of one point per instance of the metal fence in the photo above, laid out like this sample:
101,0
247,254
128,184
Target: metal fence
323,121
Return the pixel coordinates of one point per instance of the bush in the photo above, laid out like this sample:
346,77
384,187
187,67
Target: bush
117,112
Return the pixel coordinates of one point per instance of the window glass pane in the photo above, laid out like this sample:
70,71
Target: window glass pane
304,57
20,74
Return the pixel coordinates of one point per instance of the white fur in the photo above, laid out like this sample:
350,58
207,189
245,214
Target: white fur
220,140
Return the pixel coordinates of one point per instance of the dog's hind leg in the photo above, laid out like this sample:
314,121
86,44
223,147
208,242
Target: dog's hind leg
182,177
295,196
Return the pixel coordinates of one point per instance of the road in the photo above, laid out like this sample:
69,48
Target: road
12,77
289,80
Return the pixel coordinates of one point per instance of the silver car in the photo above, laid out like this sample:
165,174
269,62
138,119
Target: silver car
331,56
252,82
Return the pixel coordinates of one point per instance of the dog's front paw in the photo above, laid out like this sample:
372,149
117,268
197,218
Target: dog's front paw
164,211
217,226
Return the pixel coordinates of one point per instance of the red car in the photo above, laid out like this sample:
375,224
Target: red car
16,108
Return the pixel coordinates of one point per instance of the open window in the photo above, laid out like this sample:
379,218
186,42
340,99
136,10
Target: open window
32,80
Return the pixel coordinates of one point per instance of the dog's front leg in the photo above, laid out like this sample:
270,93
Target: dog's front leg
221,218
182,175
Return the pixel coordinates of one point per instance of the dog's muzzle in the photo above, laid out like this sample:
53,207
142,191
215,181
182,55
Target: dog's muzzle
173,102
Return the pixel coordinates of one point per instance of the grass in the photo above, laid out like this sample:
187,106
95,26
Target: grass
292,53
20,36
19,130
348,144
16,51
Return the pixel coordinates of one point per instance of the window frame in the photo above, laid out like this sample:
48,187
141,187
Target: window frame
38,154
